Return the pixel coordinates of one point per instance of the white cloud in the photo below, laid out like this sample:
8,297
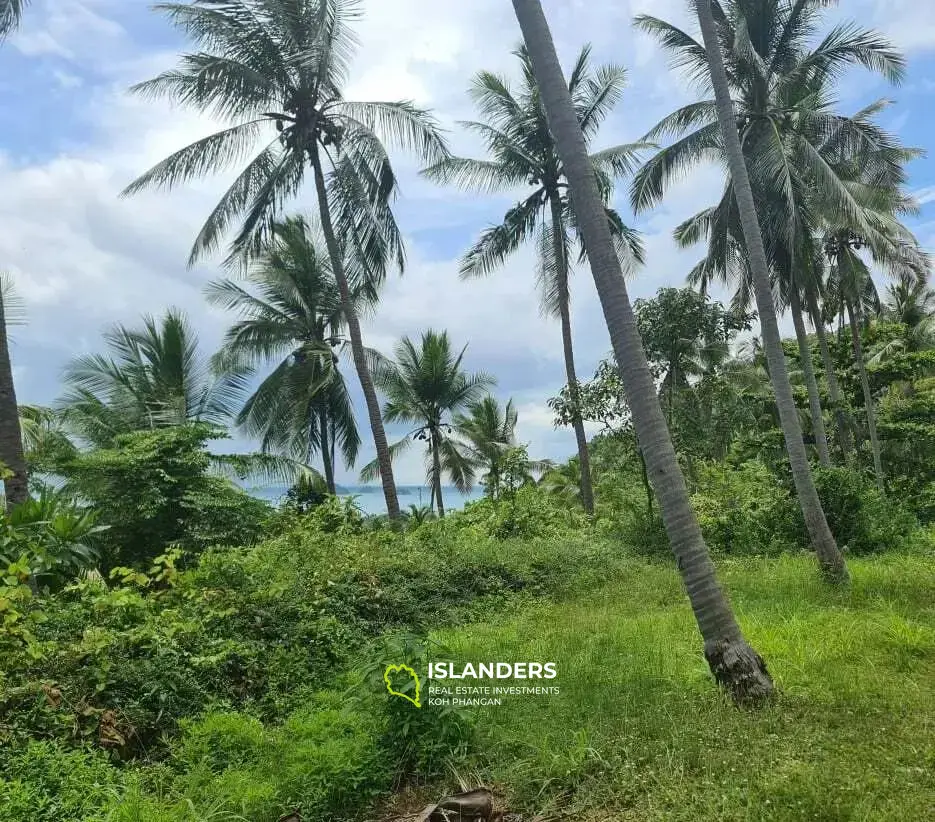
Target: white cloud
84,258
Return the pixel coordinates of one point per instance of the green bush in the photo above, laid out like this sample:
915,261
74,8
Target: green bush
259,629
424,741
43,782
745,509
323,759
862,520
154,491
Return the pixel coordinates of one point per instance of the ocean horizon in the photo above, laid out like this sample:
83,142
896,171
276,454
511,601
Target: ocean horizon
369,498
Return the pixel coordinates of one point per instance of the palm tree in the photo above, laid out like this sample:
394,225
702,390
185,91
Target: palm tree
153,377
792,141
274,69
16,485
11,13
488,432
16,476
426,386
829,556
517,136
733,662
910,301
292,312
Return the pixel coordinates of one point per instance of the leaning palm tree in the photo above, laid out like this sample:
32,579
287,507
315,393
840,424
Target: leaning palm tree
11,13
425,386
152,377
12,457
522,150
274,70
792,139
733,662
829,556
291,312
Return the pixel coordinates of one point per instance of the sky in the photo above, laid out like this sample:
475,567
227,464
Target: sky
72,137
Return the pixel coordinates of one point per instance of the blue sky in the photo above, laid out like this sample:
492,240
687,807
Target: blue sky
71,138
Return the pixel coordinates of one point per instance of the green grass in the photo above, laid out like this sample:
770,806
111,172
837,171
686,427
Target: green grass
639,732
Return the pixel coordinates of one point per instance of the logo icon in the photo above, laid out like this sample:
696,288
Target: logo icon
402,669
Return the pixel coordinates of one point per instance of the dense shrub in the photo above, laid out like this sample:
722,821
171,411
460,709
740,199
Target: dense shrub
154,490
745,509
43,782
260,629
861,518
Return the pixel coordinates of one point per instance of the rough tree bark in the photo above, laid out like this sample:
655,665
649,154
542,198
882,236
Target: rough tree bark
854,318
808,371
842,422
16,486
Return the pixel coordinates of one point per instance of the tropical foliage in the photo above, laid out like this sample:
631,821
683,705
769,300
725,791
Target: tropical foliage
516,133
425,386
175,648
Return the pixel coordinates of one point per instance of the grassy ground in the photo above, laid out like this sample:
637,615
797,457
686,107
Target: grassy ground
638,732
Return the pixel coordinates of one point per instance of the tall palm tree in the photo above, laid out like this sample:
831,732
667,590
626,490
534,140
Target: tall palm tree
153,377
292,312
274,70
11,13
792,139
522,150
488,431
16,477
829,556
733,662
426,386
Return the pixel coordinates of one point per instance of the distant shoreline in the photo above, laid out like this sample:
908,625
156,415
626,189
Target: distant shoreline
370,497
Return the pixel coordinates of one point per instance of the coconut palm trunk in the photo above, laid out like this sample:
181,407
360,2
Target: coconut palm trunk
829,556
843,424
327,453
437,473
561,261
734,664
357,345
808,371
16,486
854,318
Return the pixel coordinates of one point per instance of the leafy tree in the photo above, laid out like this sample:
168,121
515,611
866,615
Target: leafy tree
683,332
306,493
291,311
829,556
155,491
522,150
426,386
733,662
274,69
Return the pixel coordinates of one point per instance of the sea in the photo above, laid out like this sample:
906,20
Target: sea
369,498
